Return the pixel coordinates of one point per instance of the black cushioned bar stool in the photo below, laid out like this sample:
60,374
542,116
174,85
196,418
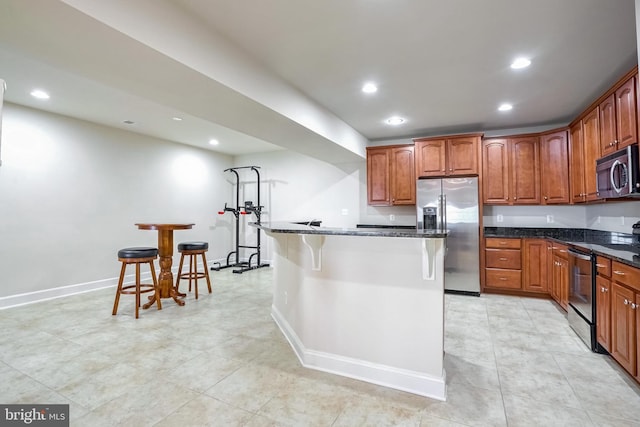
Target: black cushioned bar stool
137,256
192,250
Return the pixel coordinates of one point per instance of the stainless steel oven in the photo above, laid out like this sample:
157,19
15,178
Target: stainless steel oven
582,297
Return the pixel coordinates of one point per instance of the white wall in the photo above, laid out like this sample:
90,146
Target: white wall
71,192
610,216
613,216
296,187
535,216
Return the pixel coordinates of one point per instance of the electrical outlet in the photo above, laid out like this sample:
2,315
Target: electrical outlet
621,220
599,219
499,218
345,212
286,298
549,219
392,217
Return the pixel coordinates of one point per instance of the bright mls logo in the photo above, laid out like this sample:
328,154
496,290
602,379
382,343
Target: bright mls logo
34,415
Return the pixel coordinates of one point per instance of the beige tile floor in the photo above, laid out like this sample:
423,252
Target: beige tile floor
221,361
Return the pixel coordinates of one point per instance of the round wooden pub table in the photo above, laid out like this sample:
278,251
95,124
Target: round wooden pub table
165,251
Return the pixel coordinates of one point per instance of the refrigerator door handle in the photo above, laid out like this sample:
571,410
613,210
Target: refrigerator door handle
444,212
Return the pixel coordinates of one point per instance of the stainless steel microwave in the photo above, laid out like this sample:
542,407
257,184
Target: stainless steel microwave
617,174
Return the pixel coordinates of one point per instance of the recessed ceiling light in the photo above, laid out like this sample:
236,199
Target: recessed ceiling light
395,120
369,88
214,142
520,63
505,107
177,119
40,94
128,122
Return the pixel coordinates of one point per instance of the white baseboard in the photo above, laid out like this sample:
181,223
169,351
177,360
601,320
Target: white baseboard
79,288
387,376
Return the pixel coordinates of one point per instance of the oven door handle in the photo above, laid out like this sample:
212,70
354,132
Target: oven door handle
579,255
618,164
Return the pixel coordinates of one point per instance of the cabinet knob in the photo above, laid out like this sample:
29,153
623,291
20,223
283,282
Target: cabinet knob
626,301
619,273
503,259
444,170
633,306
515,198
545,197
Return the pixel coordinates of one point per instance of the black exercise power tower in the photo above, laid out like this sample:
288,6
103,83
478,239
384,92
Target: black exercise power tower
247,209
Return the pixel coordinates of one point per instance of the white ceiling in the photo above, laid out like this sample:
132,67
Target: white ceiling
260,75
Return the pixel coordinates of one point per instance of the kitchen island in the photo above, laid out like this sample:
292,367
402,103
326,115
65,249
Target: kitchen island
363,303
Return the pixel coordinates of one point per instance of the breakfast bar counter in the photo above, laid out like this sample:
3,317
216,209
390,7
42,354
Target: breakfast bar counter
363,303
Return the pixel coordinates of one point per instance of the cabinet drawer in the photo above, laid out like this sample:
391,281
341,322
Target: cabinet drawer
603,266
499,278
561,250
626,275
496,242
503,258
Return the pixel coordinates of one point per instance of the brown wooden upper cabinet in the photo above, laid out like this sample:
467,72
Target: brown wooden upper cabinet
391,176
511,171
619,119
448,156
554,167
584,150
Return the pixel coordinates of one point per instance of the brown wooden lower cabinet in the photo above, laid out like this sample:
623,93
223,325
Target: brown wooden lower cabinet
625,320
603,312
535,271
623,327
560,275
503,262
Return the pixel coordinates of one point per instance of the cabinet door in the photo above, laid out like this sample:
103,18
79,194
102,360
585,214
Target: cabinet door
603,312
564,282
556,279
525,170
431,158
626,114
637,312
576,163
378,189
462,156
591,138
623,327
554,168
535,265
608,125
403,178
495,172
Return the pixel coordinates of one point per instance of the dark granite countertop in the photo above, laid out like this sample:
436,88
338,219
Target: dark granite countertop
621,247
288,227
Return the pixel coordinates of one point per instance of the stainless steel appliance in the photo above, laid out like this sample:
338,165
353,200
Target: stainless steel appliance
582,298
618,174
452,204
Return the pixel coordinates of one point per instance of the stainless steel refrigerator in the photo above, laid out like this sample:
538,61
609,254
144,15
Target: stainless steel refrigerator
452,204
